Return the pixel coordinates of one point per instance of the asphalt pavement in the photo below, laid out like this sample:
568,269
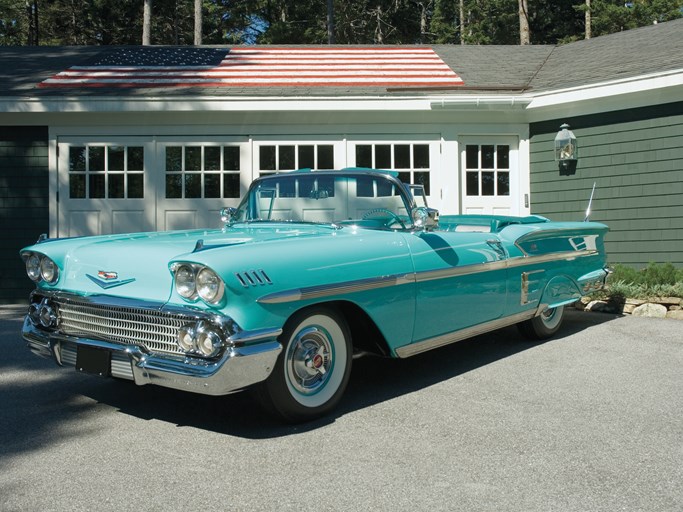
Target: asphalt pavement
589,421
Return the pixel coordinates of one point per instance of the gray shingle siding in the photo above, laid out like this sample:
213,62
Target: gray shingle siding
635,158
23,203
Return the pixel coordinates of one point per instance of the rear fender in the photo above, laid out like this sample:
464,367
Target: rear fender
560,291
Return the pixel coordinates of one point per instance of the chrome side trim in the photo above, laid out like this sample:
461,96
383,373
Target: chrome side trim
317,292
446,339
373,283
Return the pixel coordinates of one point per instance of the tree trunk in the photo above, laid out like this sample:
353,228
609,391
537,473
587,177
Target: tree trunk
198,22
588,19
462,21
32,14
330,22
524,32
147,23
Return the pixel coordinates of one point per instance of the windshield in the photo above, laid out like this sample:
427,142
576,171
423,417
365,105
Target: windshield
373,200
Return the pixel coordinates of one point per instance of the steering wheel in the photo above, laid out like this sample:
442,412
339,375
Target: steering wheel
393,218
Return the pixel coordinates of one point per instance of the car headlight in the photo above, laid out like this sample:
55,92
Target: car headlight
40,268
48,270
193,280
185,281
33,266
209,285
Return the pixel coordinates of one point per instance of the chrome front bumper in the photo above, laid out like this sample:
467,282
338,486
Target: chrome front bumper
239,367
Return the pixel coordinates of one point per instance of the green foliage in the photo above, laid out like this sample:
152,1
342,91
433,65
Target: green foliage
81,22
656,280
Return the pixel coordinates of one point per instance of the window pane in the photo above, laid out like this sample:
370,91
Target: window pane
115,186
306,186
421,156
115,158
472,183
96,186
402,156
383,156
326,157
77,186
174,159
267,158
364,187
136,189
77,159
286,158
174,186
231,158
287,188
385,188
422,178
472,157
503,183
212,185
404,177
363,155
326,185
487,157
503,157
193,158
193,185
306,157
487,183
136,158
96,157
231,185
212,158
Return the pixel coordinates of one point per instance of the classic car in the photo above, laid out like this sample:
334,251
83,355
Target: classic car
312,269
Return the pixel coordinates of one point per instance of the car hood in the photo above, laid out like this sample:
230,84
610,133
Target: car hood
137,265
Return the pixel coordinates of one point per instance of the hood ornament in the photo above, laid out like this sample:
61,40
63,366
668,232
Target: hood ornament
107,279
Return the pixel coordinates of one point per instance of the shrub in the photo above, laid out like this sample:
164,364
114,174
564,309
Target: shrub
655,280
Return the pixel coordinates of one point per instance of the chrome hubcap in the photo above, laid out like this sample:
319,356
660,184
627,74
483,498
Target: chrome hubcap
309,360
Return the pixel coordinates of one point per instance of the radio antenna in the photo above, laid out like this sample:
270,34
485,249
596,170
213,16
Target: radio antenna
590,203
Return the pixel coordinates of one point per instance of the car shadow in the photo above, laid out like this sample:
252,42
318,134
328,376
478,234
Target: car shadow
373,380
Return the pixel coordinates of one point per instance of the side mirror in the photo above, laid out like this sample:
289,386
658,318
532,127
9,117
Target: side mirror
228,215
426,219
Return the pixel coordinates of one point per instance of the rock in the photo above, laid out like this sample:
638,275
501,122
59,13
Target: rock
650,310
676,314
675,308
579,305
628,308
635,302
671,301
600,306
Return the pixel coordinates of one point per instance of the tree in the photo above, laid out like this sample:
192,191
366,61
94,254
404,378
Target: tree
524,33
197,22
147,23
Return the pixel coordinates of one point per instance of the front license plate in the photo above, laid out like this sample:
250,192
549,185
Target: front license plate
93,360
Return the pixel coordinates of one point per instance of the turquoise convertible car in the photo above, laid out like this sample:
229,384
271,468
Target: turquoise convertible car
312,269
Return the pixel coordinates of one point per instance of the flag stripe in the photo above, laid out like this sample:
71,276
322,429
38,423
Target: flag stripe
274,67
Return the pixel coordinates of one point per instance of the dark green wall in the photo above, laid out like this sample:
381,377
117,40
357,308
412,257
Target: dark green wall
23,203
635,157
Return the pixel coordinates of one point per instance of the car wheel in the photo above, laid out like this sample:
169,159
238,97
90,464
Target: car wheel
313,368
543,326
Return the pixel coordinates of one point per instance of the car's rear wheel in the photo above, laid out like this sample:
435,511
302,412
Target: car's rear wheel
543,326
313,368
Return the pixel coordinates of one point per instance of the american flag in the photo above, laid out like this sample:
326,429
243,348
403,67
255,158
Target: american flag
391,67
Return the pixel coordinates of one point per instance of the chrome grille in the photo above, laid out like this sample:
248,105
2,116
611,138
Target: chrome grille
152,329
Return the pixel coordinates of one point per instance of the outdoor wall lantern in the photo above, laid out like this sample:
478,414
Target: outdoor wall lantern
566,151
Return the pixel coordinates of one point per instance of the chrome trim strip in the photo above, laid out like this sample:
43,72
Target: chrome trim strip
446,339
317,292
373,283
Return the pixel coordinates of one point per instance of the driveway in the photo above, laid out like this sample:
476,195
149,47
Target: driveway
591,420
